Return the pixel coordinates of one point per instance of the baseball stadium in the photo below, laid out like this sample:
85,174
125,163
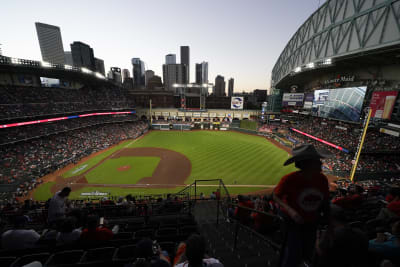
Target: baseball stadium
127,153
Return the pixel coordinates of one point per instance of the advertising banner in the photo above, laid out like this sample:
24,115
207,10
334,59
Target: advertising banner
382,104
308,100
196,114
237,102
181,114
213,115
237,115
204,115
292,99
166,114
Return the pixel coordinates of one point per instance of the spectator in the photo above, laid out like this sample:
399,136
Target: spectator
19,238
96,232
302,195
57,205
341,245
387,245
196,254
353,200
68,234
241,212
149,254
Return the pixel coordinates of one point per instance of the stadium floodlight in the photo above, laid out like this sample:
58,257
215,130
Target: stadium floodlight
327,61
85,70
68,67
298,69
45,64
311,65
99,75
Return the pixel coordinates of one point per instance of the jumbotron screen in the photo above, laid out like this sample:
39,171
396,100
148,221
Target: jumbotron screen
342,103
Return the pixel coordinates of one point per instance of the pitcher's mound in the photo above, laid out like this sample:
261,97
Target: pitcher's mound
124,168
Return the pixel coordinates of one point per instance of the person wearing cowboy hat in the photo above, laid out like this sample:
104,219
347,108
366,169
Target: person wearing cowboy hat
302,195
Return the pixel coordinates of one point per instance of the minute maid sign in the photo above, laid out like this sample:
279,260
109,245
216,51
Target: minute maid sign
237,102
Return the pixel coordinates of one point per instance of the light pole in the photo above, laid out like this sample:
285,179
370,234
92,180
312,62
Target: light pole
203,92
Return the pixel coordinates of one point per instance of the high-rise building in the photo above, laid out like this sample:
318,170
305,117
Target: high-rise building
125,74
230,87
185,61
148,74
202,72
68,58
138,73
172,73
154,83
219,86
82,55
170,59
50,43
115,74
99,63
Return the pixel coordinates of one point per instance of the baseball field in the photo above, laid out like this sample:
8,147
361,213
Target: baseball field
166,161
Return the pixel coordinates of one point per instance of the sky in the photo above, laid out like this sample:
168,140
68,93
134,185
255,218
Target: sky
240,39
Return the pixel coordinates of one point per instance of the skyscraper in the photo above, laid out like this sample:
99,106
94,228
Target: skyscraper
148,74
138,73
185,61
172,73
170,59
50,43
230,87
219,86
68,58
202,72
82,55
99,63
125,74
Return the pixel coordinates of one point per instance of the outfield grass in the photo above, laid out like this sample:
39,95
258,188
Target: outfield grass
231,156
234,157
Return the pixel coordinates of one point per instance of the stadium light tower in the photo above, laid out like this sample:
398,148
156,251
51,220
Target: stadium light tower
182,90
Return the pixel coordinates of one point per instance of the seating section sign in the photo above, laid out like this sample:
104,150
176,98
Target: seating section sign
382,104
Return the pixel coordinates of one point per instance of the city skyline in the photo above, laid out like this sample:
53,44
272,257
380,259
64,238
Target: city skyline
238,40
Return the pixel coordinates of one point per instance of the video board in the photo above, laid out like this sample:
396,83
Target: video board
341,103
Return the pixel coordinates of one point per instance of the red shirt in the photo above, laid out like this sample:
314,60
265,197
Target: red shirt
100,234
302,194
394,206
243,215
349,202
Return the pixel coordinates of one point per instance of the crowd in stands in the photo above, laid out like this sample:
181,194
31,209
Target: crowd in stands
28,101
346,135
25,161
15,134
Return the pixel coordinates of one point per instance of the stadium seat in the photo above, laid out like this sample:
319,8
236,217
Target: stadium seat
166,234
123,235
124,254
185,231
64,258
144,233
42,258
98,255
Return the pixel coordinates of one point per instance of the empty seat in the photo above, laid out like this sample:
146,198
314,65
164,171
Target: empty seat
123,235
144,233
98,255
166,234
41,257
125,254
65,258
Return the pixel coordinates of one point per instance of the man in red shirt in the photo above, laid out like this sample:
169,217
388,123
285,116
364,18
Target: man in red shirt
302,196
96,232
243,215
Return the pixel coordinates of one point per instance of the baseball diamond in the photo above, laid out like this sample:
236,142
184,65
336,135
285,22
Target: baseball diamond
163,162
